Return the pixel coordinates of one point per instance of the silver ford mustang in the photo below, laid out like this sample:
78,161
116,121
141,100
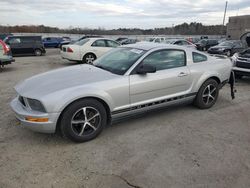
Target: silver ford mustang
80,100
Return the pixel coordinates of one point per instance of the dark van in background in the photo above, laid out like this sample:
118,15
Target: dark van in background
25,45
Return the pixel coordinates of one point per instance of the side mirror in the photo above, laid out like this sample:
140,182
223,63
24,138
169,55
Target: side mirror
144,69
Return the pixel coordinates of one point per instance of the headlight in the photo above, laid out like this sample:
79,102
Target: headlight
36,105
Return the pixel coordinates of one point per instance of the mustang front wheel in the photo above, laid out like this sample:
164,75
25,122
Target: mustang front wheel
83,120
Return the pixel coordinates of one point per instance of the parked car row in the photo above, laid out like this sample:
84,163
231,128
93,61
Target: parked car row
212,46
228,48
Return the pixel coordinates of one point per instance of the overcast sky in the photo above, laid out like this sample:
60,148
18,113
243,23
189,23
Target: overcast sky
117,13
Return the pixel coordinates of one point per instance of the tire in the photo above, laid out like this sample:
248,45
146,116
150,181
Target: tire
89,58
83,120
38,52
207,94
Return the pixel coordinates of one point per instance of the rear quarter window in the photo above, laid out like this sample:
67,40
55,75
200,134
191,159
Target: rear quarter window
197,57
99,43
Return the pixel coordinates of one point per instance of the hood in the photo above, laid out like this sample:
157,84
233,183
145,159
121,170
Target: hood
60,79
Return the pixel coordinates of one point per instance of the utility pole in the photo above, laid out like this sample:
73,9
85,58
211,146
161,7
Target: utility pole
225,13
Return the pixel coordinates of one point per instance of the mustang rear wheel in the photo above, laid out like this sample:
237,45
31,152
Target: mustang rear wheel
83,120
207,94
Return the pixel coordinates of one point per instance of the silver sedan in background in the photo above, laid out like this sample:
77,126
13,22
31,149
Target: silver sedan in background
80,100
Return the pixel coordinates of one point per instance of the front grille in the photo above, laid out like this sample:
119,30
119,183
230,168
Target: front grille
21,99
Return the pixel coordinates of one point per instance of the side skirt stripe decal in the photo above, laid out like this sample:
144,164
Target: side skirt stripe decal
153,103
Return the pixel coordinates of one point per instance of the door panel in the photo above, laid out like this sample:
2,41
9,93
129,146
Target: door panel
171,78
99,47
161,84
99,51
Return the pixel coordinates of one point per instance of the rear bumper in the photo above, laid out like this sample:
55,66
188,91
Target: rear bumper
69,56
21,113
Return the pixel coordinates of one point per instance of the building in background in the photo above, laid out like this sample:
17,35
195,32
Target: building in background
238,28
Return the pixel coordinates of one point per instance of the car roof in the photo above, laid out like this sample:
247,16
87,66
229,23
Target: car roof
151,45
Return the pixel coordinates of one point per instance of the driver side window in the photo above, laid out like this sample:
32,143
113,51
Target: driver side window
166,59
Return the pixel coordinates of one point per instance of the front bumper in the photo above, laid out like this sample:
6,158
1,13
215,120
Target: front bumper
44,127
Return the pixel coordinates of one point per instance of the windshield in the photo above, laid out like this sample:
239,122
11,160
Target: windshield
119,60
226,44
81,42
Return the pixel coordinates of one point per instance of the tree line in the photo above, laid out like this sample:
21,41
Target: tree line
182,29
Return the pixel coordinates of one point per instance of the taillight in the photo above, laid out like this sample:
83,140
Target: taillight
69,50
6,48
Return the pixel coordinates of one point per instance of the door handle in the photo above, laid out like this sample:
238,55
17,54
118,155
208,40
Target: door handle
182,74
